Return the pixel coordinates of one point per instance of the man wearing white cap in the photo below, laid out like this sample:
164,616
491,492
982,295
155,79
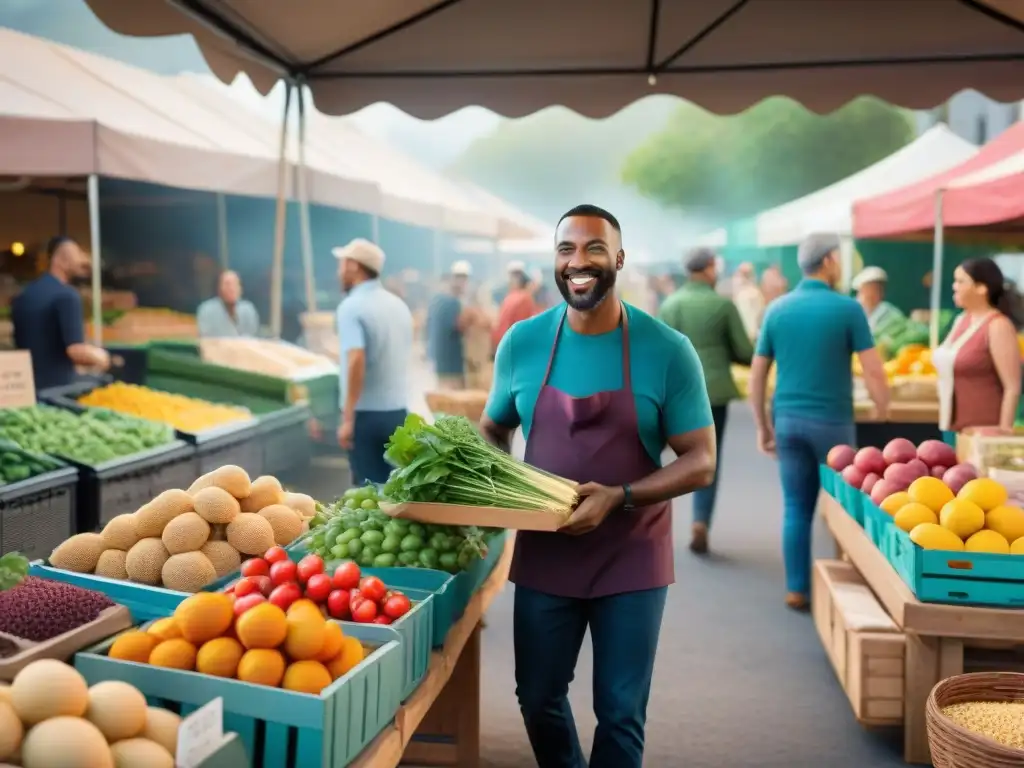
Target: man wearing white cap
447,321
375,335
518,303
870,287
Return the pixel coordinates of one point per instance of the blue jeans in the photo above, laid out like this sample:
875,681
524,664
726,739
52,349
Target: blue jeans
704,499
370,433
802,444
548,632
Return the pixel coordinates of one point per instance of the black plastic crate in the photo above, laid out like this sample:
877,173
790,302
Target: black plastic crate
285,440
37,514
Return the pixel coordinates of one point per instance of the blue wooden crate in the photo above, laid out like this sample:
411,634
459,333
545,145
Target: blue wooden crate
851,499
415,631
876,523
422,580
469,581
934,576
281,729
829,477
144,602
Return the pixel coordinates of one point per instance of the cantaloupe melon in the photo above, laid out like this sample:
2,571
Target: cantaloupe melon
162,727
146,560
231,478
301,503
266,490
152,518
80,553
286,522
140,753
11,731
120,533
224,557
250,534
216,506
185,533
188,572
48,688
111,564
66,742
117,709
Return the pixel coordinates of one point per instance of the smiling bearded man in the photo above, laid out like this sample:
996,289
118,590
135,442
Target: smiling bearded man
599,388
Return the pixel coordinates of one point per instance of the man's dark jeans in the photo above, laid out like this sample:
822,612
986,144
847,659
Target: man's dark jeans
704,499
371,432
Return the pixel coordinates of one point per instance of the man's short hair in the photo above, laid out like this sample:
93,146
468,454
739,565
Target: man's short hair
591,211
55,243
698,260
814,250
519,277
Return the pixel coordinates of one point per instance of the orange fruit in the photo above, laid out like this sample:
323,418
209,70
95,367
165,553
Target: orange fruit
349,656
204,616
219,657
333,638
306,677
985,492
262,626
306,634
261,666
165,629
133,646
931,492
304,605
174,654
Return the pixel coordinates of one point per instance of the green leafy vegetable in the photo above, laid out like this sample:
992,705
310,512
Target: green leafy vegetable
13,568
449,462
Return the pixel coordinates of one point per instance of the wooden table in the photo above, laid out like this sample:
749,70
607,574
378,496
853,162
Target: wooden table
446,706
935,633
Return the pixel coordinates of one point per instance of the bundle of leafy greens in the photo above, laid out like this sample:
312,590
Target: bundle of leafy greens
449,462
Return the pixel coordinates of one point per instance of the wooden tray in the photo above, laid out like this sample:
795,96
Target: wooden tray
112,620
487,517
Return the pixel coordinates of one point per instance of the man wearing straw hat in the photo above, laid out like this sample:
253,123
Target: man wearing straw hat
375,335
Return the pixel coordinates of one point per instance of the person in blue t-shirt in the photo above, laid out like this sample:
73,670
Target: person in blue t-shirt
600,389
48,322
447,320
811,334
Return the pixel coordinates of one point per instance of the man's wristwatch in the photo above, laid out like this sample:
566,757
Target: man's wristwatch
627,497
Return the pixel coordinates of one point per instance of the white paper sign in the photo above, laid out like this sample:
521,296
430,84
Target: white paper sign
17,388
201,734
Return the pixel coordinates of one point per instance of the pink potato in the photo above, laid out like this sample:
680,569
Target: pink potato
918,466
869,482
899,451
884,489
870,459
936,453
902,475
853,475
938,471
840,457
958,476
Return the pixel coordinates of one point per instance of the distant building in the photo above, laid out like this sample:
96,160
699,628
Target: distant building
972,116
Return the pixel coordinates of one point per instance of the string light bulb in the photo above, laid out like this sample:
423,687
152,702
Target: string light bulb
17,249
652,80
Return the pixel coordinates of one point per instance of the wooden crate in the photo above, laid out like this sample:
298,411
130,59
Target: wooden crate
864,645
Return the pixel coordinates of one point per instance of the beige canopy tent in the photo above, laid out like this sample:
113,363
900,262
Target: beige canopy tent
430,57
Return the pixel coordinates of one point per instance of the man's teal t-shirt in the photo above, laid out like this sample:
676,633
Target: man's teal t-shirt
812,334
668,382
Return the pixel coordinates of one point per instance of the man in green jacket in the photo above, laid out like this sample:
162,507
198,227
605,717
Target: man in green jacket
713,325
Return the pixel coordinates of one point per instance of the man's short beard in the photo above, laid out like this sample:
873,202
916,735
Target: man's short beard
603,287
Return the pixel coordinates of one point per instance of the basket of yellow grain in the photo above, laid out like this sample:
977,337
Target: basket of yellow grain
977,721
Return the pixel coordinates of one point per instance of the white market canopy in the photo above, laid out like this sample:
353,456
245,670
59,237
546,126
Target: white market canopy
431,57
831,209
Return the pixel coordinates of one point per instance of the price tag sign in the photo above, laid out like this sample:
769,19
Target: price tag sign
201,734
17,386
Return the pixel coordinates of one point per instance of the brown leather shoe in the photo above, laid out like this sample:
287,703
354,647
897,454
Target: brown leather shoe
797,601
699,539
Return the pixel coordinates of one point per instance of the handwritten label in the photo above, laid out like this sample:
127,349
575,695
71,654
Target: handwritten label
17,387
201,734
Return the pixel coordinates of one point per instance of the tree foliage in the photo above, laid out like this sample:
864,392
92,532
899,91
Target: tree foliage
777,151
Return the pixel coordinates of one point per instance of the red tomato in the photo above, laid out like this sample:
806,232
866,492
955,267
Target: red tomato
245,587
230,590
354,597
396,606
257,566
338,604
243,604
346,576
275,555
372,588
309,566
282,572
318,587
364,612
266,586
382,619
285,594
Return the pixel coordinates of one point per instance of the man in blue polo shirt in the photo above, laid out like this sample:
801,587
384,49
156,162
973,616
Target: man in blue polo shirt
811,334
600,389
47,319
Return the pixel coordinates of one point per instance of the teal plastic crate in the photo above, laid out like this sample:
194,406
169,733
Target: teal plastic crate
876,521
424,580
283,729
145,603
416,630
850,498
829,477
469,581
934,576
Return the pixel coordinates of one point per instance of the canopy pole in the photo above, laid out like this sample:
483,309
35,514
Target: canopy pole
438,269
222,231
277,266
846,262
97,262
375,229
936,293
304,226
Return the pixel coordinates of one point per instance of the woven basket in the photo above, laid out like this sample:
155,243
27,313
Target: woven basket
956,747
468,402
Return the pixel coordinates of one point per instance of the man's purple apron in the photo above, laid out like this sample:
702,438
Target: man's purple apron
594,439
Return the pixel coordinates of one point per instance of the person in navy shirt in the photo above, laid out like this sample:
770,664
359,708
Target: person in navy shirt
47,319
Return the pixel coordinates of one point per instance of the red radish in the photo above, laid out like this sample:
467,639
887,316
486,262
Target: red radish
365,611
854,476
397,606
283,571
347,576
899,451
285,594
372,588
257,566
338,604
840,457
308,566
938,471
936,453
275,555
869,482
958,476
318,587
243,604
870,459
